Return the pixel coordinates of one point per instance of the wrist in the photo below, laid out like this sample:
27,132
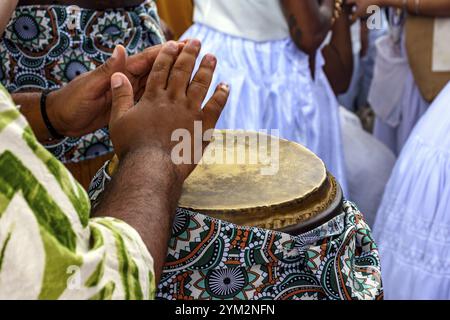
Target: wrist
30,107
155,159
54,113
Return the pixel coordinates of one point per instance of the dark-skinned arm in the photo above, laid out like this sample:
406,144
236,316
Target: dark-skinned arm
144,193
431,8
84,105
309,22
146,189
338,55
30,107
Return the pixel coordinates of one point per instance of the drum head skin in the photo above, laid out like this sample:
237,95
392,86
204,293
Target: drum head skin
253,179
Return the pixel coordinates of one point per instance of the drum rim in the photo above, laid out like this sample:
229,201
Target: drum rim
334,209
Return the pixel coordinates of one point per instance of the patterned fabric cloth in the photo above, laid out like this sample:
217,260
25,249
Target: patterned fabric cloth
45,47
213,259
49,246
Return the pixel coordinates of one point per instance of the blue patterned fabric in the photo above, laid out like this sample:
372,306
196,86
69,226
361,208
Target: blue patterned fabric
45,47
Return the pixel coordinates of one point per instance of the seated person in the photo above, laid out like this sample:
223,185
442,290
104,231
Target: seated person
116,252
214,259
343,246
368,162
48,43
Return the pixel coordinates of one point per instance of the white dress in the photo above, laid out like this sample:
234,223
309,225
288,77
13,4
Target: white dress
413,223
270,78
394,95
368,164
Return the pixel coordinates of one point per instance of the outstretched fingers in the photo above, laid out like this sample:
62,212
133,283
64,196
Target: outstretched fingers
162,67
199,87
183,68
214,107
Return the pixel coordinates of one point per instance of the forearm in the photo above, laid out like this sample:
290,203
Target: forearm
309,22
339,56
30,107
6,9
144,193
433,8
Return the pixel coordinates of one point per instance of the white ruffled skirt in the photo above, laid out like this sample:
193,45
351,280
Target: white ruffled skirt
272,88
413,222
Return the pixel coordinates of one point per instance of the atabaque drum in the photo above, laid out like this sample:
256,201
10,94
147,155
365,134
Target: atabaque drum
258,180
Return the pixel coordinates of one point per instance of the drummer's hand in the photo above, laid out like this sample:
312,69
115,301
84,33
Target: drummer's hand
171,101
84,105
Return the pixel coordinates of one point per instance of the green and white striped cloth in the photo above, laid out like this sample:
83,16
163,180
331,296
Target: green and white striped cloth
50,248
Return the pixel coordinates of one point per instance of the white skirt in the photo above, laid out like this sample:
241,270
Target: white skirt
394,95
368,164
272,88
413,223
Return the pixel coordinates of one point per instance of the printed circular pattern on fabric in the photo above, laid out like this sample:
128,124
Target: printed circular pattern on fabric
226,283
265,265
33,32
109,29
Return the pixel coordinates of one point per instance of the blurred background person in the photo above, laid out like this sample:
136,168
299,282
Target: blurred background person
412,225
394,94
368,162
364,38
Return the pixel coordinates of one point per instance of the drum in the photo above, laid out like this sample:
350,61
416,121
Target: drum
257,180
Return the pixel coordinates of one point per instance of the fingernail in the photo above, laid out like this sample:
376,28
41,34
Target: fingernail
211,59
115,53
194,43
224,86
116,81
172,46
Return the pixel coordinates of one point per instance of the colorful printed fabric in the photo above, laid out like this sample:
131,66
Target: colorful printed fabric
45,47
213,259
49,246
